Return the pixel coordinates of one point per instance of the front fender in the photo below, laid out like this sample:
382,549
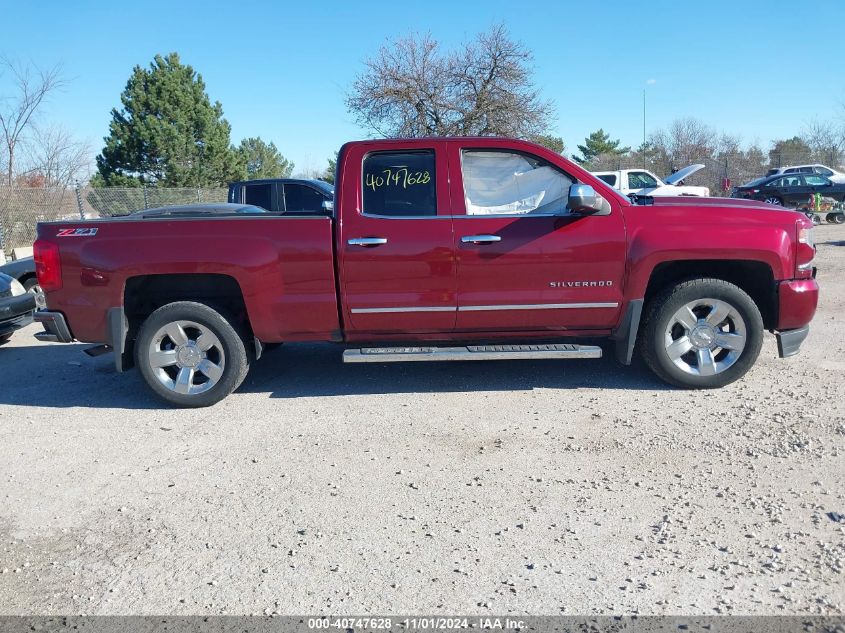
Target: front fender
650,246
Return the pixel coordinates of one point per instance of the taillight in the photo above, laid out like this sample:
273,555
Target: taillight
806,250
48,265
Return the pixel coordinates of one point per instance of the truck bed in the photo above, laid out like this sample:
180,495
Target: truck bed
284,266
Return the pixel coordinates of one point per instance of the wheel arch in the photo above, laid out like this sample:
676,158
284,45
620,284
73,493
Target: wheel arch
144,294
754,277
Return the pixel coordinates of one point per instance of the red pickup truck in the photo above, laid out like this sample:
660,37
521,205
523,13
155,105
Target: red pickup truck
435,249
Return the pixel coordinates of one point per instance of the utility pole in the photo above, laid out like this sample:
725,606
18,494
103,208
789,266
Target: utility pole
643,147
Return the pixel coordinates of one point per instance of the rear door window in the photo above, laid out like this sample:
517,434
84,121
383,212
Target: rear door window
259,195
815,181
303,199
400,184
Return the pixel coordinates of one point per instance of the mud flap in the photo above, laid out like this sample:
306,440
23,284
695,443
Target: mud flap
626,335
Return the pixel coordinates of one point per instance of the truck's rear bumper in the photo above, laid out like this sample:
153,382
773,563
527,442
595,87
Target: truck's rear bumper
797,301
55,327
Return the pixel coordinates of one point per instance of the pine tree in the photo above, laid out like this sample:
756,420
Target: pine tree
167,132
599,143
263,160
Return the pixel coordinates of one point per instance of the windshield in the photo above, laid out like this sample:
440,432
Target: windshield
324,186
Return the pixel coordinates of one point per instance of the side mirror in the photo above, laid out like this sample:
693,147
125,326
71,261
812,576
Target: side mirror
328,205
583,199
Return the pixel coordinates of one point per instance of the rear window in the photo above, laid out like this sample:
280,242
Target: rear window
609,179
400,184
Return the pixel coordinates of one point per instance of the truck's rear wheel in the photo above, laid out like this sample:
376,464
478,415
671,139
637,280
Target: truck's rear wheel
190,355
701,334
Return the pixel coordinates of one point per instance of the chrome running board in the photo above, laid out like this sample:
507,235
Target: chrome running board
470,352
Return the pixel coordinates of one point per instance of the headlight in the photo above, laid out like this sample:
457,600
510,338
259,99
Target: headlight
805,236
17,288
806,251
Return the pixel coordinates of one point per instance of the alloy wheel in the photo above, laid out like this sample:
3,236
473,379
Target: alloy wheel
40,300
186,357
705,337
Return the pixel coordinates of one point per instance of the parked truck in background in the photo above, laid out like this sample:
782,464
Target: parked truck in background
284,195
436,249
640,182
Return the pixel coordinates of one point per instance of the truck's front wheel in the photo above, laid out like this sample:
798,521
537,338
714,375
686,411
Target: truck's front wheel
190,355
701,334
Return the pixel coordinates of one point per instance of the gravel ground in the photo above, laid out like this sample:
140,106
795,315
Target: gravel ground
516,487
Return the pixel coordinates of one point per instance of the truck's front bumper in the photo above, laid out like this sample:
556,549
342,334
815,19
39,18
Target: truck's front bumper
55,327
789,341
797,301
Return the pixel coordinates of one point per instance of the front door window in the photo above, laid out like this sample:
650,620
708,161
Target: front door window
506,183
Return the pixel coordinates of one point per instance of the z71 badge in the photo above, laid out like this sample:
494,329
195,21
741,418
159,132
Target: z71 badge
76,232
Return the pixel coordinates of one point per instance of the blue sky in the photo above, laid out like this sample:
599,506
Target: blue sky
761,70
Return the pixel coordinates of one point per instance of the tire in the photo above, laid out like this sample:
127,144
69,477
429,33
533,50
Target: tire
32,287
816,219
190,355
837,218
774,200
715,311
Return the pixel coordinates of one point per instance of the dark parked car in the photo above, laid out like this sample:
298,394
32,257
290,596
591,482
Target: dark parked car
290,196
789,190
24,271
16,307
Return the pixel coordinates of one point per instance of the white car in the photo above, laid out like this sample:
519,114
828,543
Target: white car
645,183
821,170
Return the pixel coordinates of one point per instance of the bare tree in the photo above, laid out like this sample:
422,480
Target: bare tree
17,112
56,157
410,88
825,139
686,141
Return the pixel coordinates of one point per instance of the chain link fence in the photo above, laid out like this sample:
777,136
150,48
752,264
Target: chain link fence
21,208
722,170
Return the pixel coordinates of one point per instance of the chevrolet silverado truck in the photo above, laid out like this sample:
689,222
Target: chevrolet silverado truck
435,249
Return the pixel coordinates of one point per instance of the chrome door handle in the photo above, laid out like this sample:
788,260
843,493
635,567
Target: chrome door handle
367,241
480,239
